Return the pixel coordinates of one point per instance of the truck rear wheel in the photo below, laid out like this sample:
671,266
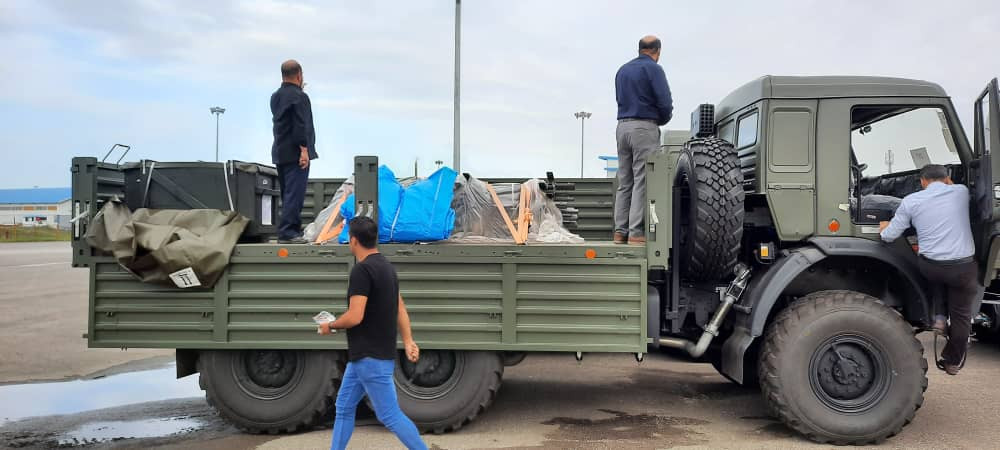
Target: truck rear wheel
446,389
841,367
711,208
270,391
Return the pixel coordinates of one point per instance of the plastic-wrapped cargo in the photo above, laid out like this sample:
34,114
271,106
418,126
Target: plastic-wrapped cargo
329,222
477,218
420,211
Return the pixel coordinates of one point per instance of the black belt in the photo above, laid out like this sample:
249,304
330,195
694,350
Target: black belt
636,119
949,262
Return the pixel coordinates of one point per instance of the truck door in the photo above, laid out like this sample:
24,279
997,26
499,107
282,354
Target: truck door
987,183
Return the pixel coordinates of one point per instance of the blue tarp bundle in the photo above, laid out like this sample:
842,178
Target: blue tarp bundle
420,212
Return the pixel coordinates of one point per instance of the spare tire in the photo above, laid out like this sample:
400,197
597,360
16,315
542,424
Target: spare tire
710,210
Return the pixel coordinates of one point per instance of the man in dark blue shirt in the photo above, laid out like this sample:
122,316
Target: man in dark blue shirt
294,146
644,104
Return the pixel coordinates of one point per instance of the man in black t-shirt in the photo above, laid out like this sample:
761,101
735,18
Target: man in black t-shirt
375,311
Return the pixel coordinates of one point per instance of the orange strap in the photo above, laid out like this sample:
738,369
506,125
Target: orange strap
330,231
524,214
503,213
520,232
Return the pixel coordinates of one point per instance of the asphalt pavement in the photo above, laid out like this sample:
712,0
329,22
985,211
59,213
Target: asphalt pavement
43,316
548,401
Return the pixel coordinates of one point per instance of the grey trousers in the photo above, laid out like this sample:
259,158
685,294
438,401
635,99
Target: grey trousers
637,139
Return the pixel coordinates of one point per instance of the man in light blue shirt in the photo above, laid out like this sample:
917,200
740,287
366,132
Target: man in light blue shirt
940,214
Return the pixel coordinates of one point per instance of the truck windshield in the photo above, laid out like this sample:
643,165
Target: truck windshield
893,139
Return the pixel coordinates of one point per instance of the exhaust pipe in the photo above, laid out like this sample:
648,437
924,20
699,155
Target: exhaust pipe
733,294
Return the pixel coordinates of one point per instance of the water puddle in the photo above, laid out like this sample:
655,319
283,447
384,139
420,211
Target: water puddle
19,401
97,432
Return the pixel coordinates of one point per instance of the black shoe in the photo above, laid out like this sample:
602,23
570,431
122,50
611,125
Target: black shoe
940,328
295,240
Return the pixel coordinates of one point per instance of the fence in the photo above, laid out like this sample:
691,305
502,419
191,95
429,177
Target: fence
17,233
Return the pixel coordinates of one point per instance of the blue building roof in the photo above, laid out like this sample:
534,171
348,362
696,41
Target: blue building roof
34,196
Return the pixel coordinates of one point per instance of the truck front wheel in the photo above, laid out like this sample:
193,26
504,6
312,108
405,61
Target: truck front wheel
841,367
446,389
271,391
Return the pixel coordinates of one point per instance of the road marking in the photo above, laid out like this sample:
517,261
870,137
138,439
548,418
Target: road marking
33,265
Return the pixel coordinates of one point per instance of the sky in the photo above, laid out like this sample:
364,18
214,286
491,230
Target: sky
82,76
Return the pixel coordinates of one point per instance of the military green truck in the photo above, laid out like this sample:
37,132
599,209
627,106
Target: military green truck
762,258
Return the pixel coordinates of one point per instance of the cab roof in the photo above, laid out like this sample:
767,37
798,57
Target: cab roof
789,87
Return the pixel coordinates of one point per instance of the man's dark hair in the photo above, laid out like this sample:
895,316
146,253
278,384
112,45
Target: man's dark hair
290,68
649,44
934,172
364,230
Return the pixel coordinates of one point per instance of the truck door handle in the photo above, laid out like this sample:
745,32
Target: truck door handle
512,253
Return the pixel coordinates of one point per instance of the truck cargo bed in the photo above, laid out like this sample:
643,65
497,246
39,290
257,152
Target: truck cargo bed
543,297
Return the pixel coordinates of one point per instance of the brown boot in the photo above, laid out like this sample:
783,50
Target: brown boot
639,240
620,238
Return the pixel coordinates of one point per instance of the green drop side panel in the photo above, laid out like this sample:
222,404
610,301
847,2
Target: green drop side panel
551,298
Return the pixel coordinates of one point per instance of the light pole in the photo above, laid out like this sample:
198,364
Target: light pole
457,151
582,115
218,112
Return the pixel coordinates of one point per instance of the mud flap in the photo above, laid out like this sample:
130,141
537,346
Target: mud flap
733,351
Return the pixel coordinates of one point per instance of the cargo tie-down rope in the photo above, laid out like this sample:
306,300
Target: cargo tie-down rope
520,232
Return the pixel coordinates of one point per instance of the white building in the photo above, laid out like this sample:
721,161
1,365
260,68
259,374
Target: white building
36,207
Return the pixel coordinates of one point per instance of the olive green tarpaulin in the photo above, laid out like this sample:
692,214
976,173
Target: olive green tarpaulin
186,248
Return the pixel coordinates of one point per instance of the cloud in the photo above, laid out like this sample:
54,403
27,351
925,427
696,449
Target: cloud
144,72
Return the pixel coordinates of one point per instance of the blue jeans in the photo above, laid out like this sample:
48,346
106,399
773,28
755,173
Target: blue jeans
373,377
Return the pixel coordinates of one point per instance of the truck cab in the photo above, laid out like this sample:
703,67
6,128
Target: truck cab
820,162
823,161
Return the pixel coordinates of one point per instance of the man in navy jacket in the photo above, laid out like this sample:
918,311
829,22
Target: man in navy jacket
644,105
294,147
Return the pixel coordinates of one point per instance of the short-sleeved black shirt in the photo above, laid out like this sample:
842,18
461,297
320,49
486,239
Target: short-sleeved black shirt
375,336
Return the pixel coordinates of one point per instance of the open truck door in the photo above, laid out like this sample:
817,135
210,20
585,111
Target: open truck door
987,186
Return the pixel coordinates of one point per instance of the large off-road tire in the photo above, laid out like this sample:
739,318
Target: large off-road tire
447,389
271,391
840,367
711,208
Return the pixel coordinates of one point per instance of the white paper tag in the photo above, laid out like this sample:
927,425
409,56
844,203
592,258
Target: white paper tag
185,278
324,317
869,230
265,209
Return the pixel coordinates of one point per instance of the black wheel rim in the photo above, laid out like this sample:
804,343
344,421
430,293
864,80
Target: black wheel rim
850,373
268,374
434,376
